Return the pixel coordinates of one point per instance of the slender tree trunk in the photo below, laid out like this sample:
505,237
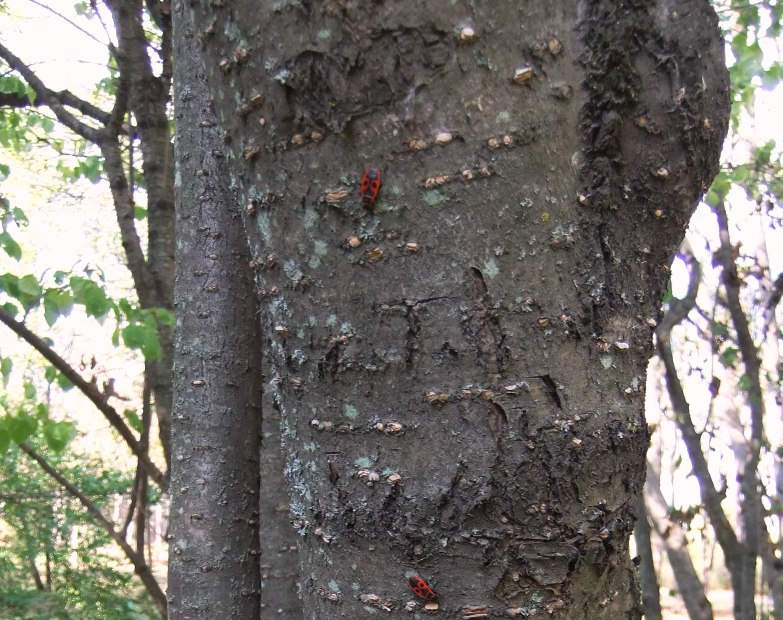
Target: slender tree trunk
459,362
213,551
689,586
148,99
648,580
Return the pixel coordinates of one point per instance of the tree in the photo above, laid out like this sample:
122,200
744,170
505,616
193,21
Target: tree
719,358
104,142
458,365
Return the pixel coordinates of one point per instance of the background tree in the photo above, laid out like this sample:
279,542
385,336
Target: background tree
141,187
458,365
720,356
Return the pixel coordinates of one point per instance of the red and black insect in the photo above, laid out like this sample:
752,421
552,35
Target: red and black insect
421,588
370,186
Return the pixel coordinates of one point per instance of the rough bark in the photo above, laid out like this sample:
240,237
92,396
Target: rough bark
279,557
459,368
213,551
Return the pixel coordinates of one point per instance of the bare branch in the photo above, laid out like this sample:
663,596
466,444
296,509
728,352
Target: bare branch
48,97
772,302
750,502
66,97
140,566
678,310
69,21
91,392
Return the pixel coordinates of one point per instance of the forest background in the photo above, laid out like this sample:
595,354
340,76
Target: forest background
83,498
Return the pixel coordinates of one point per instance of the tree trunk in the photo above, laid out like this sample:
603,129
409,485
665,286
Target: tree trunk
459,364
673,536
648,580
213,552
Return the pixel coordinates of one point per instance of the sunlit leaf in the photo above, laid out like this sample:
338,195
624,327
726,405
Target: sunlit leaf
21,426
6,365
10,246
728,356
133,419
58,434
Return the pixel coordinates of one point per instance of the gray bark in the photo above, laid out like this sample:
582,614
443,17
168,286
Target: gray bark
648,580
279,557
213,551
459,367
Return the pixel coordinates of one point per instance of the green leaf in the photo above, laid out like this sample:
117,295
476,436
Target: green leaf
58,434
50,374
133,419
143,337
744,383
29,391
5,439
10,309
728,356
140,213
92,296
29,290
133,336
720,187
64,382
165,317
21,426
50,311
10,246
719,329
56,303
6,365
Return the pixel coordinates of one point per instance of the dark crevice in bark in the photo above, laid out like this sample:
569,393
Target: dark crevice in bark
608,259
411,337
483,327
551,389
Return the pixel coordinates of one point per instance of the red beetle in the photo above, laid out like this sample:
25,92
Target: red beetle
421,588
370,186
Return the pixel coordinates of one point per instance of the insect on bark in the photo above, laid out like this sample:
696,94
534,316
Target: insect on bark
370,186
421,588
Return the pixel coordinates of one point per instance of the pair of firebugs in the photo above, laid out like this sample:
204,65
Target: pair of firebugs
369,186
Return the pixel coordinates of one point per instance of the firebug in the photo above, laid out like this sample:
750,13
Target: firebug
421,588
370,186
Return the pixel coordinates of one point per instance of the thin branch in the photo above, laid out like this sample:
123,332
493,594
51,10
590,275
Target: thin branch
750,503
69,21
66,97
141,567
678,310
91,392
772,302
48,97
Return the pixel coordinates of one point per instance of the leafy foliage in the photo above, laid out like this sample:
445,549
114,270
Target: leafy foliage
137,326
41,527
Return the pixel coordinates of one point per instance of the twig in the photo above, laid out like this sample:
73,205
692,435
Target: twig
91,392
140,566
